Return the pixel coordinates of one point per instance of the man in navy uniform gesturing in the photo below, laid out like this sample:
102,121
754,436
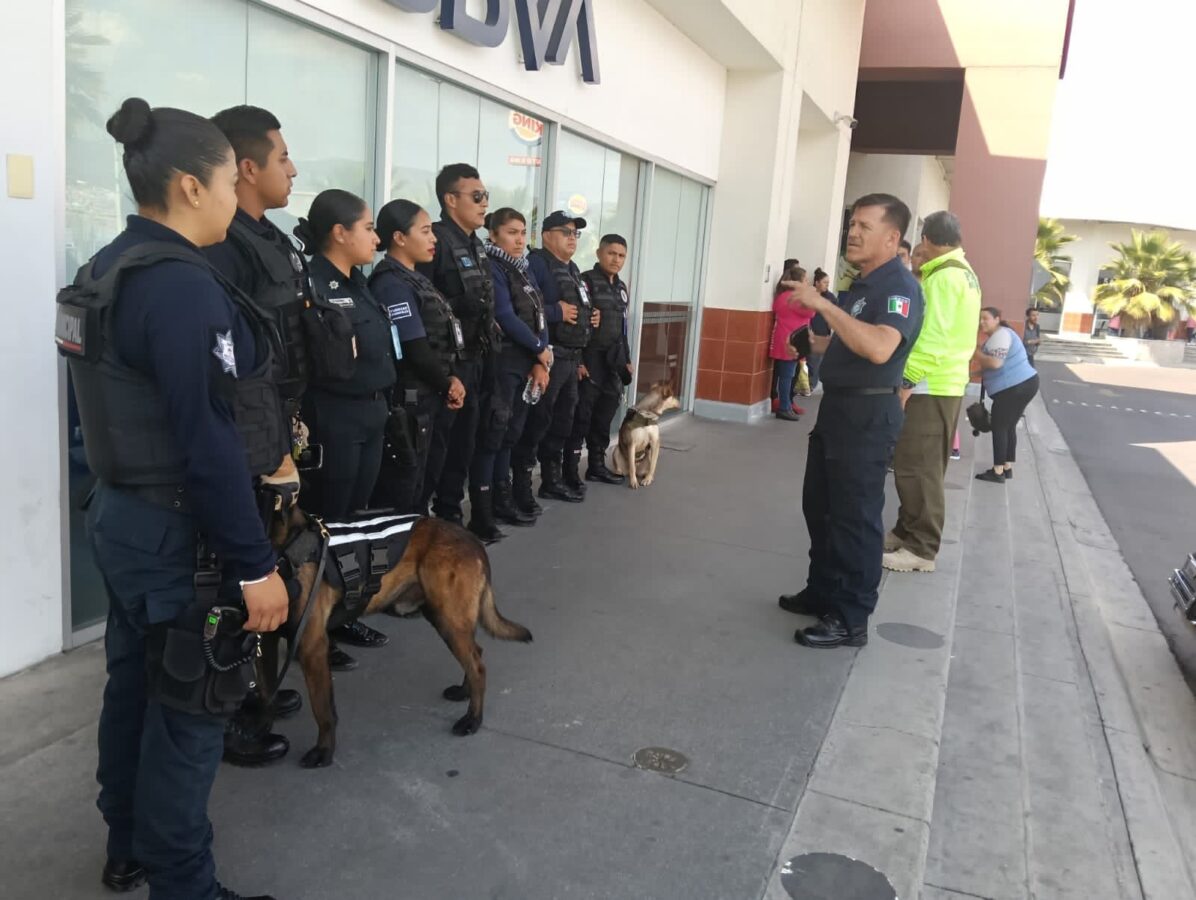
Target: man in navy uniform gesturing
859,420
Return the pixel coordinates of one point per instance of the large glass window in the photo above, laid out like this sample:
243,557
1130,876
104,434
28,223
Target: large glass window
437,123
671,279
600,185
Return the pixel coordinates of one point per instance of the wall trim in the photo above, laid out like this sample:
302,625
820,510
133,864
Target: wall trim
731,412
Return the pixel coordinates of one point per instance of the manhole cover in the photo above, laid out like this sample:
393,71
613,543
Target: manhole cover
910,635
660,759
832,876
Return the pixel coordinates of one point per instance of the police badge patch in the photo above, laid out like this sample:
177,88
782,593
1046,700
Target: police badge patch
224,352
858,307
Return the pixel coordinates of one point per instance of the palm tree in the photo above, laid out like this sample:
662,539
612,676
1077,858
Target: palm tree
1053,237
1153,284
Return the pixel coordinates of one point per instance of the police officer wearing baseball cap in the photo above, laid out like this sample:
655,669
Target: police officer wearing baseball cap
859,420
571,318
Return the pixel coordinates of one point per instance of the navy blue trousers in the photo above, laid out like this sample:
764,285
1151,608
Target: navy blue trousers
156,764
843,499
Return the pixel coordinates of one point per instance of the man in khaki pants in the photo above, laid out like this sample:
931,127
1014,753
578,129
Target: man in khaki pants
936,377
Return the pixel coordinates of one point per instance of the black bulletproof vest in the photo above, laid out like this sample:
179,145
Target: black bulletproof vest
444,331
126,434
525,297
611,301
574,335
474,308
283,293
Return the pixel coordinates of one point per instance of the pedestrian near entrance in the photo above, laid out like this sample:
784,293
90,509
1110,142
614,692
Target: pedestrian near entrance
1031,335
606,360
932,389
1011,382
180,416
526,356
429,341
859,420
788,316
571,317
822,284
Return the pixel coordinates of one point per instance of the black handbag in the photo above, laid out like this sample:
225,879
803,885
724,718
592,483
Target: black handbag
978,415
799,340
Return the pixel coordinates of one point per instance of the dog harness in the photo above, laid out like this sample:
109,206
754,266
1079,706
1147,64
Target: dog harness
363,550
637,419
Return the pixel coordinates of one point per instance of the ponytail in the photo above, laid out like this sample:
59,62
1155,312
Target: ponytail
330,208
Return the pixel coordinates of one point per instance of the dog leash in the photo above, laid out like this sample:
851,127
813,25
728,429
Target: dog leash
293,642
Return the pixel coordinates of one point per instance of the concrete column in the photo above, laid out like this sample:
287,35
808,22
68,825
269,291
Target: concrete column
820,170
1000,160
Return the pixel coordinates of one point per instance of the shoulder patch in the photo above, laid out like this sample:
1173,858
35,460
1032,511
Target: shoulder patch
858,307
225,352
399,311
899,305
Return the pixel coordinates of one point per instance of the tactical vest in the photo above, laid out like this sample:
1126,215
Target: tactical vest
283,293
445,337
363,550
574,335
475,307
126,432
525,297
611,301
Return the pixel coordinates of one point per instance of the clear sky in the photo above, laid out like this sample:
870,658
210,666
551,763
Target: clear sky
1123,137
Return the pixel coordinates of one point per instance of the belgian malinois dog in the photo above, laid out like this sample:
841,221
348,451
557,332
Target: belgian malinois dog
444,572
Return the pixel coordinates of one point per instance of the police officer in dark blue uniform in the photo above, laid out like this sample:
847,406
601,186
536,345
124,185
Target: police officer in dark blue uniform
571,318
461,272
525,357
179,414
859,419
430,339
606,365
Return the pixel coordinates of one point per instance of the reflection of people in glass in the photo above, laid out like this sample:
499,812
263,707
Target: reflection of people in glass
525,354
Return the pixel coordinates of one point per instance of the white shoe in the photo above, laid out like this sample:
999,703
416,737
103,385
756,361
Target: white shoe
892,542
904,561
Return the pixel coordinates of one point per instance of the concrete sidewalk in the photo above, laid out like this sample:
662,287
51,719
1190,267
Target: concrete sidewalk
979,746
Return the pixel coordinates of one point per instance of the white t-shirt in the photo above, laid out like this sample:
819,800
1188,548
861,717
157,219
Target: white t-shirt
998,343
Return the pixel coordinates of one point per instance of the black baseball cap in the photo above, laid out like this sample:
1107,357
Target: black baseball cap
559,218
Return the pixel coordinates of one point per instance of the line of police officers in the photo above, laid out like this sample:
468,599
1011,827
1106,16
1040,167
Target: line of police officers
395,390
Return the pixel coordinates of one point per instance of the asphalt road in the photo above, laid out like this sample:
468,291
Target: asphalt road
1147,494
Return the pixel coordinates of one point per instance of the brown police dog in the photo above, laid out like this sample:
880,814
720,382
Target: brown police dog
444,572
638,449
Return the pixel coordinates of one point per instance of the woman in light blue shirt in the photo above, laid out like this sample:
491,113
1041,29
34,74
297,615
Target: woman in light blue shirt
1010,380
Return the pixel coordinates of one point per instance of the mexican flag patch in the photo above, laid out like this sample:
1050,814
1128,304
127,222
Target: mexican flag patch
899,305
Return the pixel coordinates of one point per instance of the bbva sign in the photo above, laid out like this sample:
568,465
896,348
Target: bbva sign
546,28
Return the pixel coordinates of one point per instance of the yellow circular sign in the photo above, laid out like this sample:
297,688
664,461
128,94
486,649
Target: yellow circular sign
526,128
578,205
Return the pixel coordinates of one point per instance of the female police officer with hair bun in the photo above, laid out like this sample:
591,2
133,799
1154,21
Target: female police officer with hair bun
430,338
179,416
347,416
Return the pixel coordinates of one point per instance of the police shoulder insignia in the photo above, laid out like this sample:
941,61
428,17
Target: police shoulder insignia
858,307
899,305
400,311
224,352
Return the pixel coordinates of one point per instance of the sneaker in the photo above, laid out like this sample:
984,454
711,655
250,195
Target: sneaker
786,415
990,475
892,542
797,409
904,561
956,455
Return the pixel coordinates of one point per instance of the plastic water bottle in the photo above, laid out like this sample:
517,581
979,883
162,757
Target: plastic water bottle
531,392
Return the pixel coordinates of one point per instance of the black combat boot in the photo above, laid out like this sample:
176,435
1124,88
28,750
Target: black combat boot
572,471
525,500
552,483
249,743
481,516
505,509
122,875
596,470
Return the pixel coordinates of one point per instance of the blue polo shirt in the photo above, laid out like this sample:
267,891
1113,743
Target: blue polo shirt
889,295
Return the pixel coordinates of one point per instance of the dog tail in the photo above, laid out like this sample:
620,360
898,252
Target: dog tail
494,623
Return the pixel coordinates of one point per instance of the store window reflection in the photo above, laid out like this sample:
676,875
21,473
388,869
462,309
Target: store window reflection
671,278
437,123
600,185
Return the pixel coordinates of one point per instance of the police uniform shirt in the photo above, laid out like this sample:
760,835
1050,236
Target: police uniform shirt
236,264
375,369
402,305
887,296
175,324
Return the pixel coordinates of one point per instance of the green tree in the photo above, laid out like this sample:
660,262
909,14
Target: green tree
1153,284
1052,238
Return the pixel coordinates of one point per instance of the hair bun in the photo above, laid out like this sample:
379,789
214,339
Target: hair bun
133,123
307,237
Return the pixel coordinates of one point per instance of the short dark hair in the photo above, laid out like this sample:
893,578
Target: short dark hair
613,239
446,181
995,313
942,229
906,245
1030,309
247,129
159,142
397,216
789,263
330,208
896,213
501,217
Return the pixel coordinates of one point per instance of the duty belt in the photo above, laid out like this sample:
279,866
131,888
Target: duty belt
168,496
566,352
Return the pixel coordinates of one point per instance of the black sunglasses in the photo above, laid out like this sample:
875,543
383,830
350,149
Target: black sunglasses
476,196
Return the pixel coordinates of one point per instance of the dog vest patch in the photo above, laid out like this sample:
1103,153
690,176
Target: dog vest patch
364,549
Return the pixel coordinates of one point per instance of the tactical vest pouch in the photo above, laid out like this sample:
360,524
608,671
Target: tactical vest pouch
330,342
201,675
260,423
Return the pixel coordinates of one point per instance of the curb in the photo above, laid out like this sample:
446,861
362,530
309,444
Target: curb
1147,713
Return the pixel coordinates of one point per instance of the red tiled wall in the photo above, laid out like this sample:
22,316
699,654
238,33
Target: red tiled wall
733,363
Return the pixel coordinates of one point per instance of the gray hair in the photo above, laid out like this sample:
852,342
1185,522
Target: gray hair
942,229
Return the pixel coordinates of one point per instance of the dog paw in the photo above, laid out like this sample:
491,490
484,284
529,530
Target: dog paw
634,485
647,481
456,693
466,725
316,758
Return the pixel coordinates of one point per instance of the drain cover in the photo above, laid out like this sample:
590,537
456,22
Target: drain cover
910,635
832,876
660,759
